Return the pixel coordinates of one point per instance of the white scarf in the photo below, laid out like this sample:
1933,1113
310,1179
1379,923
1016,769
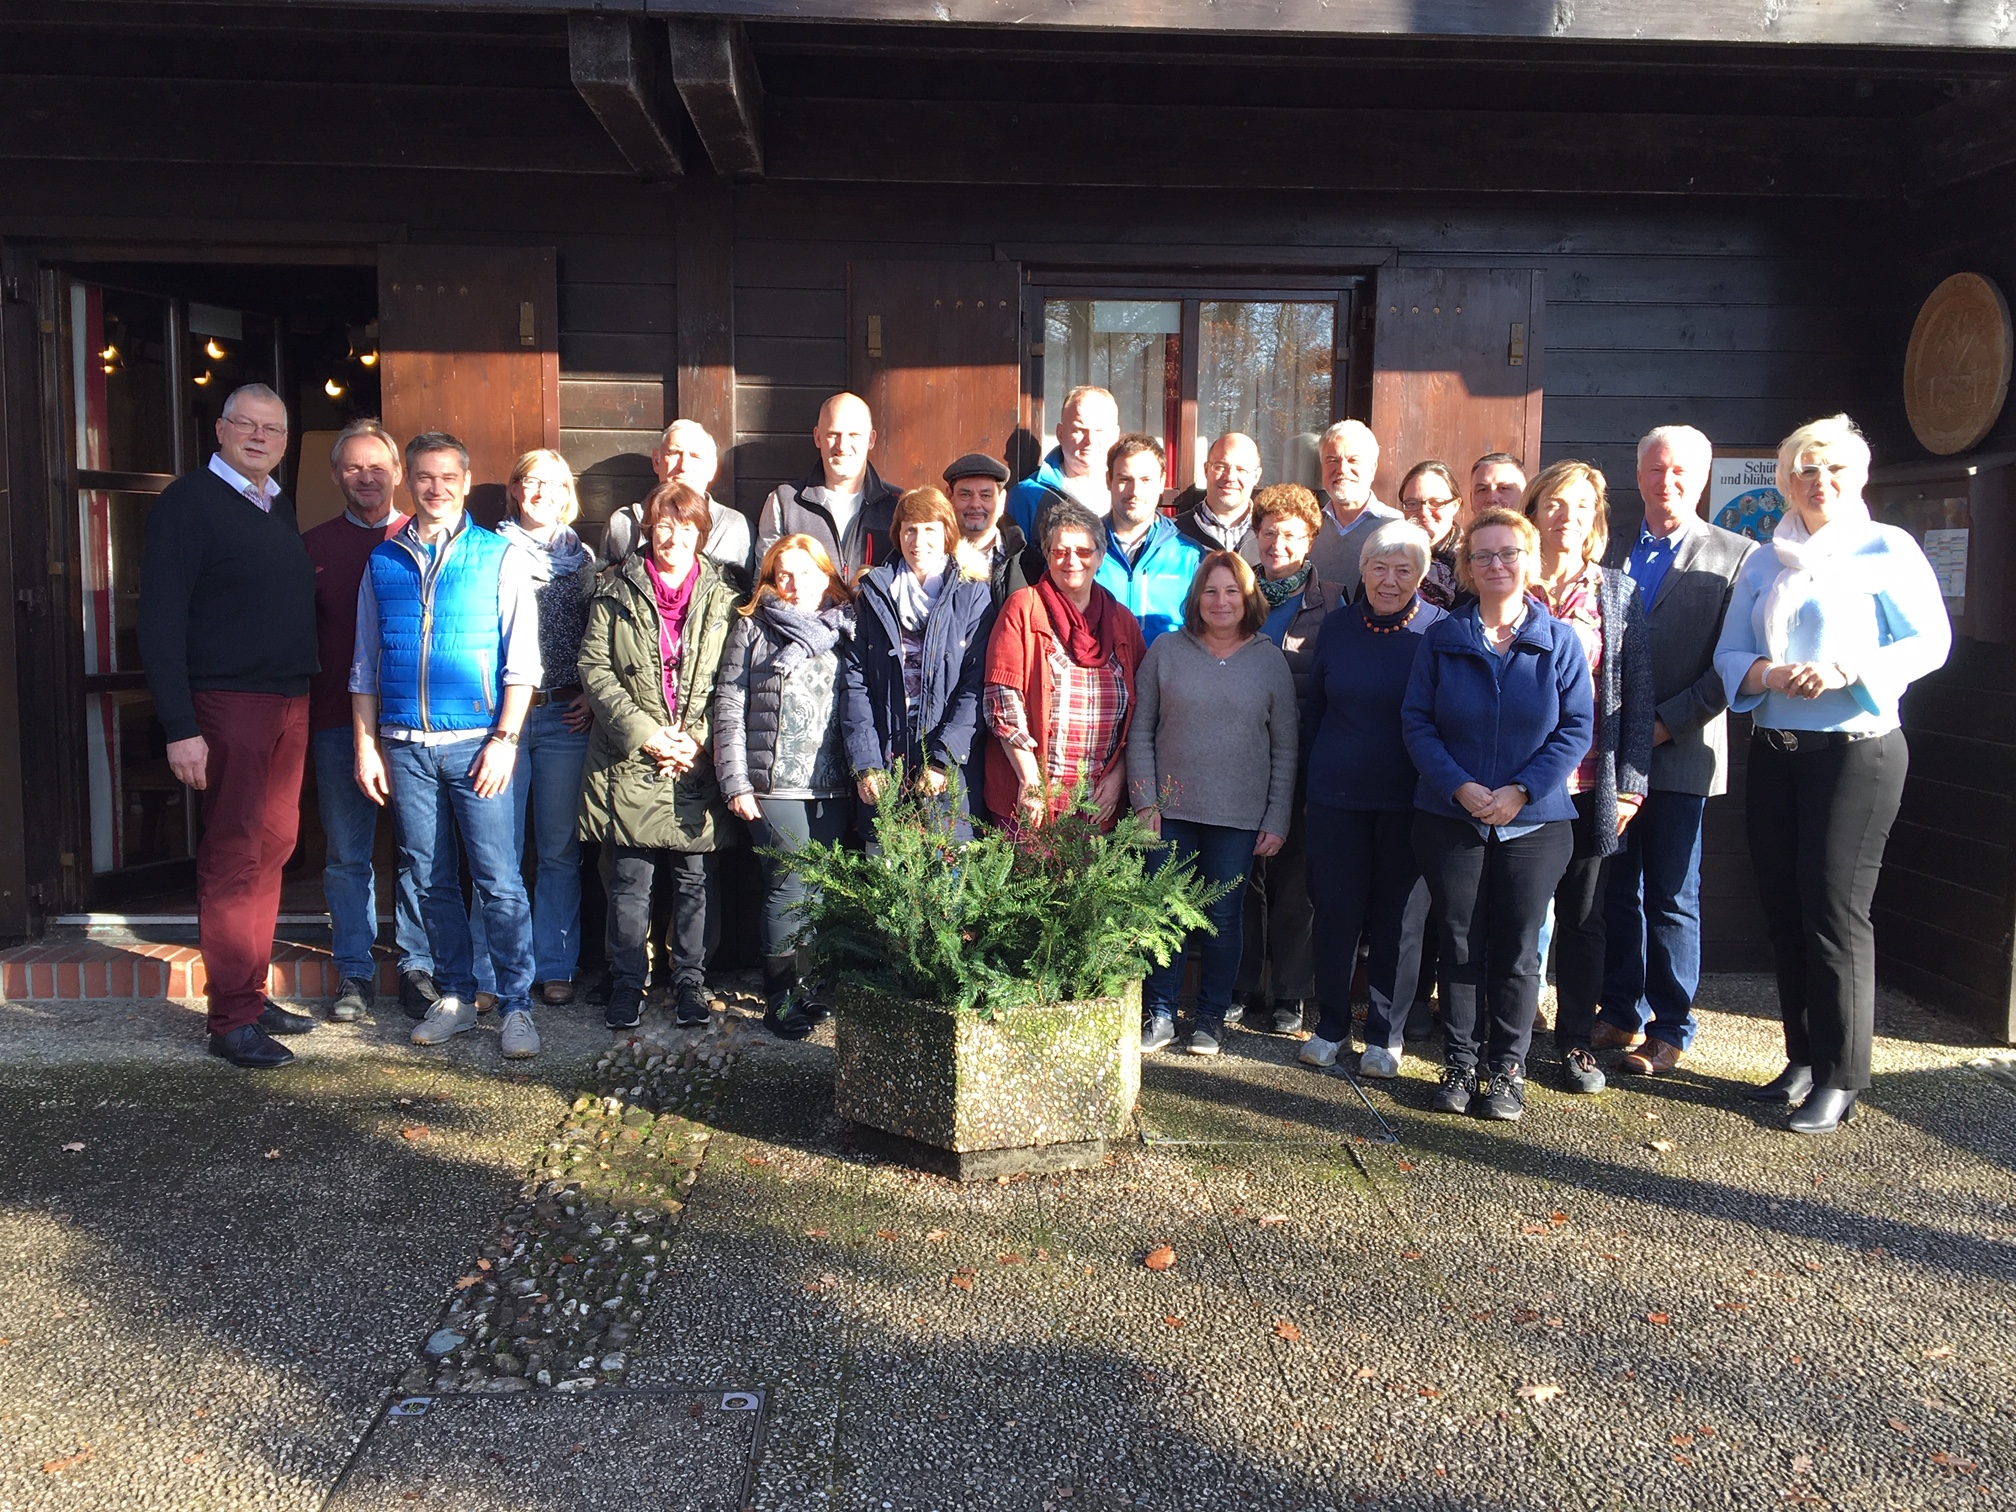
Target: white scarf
1811,561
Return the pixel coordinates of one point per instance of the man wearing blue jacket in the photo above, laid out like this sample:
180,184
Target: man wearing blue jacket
1088,423
1148,563
446,664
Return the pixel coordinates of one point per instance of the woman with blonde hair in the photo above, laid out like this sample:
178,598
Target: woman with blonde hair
1211,764
779,754
1568,504
1497,716
917,663
1827,626
553,744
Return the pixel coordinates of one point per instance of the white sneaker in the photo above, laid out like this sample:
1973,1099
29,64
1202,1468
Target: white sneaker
446,1019
521,1038
1379,1062
1317,1051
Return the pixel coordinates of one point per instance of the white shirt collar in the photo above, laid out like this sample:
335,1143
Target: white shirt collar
267,491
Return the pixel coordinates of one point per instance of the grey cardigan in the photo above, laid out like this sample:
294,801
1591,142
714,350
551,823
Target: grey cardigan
1214,742
1684,622
1623,742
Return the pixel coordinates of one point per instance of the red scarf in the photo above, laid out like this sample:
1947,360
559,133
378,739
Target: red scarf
1088,635
673,599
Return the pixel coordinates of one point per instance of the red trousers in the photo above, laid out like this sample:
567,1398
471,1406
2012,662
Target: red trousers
251,818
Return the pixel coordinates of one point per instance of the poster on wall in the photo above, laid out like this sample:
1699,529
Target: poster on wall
1743,492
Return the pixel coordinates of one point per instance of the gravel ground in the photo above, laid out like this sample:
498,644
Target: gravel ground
1649,1299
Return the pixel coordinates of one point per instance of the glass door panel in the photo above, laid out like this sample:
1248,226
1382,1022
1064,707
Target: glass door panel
1132,347
1268,368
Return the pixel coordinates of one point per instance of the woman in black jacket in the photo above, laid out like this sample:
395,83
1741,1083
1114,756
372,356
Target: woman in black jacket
918,661
779,753
1567,503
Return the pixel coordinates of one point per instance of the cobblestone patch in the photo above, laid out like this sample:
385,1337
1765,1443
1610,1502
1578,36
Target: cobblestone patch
557,1297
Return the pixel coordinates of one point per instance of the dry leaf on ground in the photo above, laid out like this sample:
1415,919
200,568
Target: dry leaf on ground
1269,1220
1544,1391
67,1462
1172,1320
1658,1317
1283,1329
1663,1146
935,1236
75,1147
413,1131
1159,1258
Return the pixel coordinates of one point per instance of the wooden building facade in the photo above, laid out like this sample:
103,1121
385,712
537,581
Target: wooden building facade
1532,226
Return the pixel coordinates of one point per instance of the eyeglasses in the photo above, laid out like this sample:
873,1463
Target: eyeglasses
1509,557
1808,471
250,428
1074,553
531,483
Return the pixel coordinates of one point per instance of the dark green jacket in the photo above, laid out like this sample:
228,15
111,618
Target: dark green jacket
624,797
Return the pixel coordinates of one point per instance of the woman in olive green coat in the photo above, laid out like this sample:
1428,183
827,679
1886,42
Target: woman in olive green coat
657,625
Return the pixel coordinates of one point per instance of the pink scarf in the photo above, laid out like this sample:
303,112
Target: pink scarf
673,601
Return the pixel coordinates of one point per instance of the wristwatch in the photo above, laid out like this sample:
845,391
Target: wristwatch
509,737
1524,791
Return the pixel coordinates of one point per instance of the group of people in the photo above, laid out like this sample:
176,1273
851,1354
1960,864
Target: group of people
1443,734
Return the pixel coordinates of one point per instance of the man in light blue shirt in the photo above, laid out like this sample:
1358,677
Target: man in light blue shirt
1148,563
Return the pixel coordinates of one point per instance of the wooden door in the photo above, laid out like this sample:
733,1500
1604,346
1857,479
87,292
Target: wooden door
934,349
468,341
1456,368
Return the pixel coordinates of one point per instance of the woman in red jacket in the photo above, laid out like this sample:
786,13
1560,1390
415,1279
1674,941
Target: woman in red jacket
1060,680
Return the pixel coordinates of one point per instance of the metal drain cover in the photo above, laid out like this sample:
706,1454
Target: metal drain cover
667,1450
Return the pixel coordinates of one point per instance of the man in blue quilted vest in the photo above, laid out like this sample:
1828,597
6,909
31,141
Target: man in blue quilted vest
447,660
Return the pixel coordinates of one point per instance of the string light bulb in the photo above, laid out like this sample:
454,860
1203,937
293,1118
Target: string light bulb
333,389
110,354
202,379
213,351
370,358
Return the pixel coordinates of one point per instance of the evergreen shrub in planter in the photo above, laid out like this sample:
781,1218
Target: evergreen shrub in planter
989,1003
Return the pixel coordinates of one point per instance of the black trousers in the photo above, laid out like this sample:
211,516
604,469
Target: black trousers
631,869
1819,818
1279,949
1579,934
1361,869
1492,895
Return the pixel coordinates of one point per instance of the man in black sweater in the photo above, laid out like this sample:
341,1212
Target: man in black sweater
227,635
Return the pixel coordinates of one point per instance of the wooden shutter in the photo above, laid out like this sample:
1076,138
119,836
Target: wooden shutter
1456,368
468,339
934,349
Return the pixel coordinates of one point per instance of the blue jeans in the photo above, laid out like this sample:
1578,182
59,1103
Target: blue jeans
1219,854
350,822
547,781
1652,955
433,798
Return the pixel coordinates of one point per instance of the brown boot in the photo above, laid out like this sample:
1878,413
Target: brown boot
1607,1036
1654,1058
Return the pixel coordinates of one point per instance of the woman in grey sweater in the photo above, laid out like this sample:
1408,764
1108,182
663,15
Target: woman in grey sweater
1211,768
778,750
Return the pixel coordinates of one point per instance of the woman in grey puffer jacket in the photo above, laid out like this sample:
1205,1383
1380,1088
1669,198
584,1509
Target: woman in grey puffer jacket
779,754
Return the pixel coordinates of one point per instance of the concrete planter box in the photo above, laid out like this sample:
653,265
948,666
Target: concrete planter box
1036,1089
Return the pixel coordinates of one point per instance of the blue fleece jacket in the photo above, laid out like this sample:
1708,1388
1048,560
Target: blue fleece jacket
1154,585
1027,499
1473,716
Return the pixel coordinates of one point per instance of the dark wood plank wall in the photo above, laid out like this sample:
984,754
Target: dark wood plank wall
1720,316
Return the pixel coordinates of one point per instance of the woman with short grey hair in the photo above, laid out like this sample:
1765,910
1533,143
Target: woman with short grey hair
1360,815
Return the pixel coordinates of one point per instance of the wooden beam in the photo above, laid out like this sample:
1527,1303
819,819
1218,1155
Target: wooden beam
333,124
716,74
706,318
1964,139
619,65
1199,146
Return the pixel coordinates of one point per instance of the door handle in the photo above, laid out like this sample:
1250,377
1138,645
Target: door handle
1515,351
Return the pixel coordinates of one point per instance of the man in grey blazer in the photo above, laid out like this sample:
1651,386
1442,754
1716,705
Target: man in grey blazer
1685,568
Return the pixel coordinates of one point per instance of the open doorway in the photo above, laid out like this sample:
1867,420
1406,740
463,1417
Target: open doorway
151,351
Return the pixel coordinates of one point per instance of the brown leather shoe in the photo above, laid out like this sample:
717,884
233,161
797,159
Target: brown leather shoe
1654,1058
1607,1036
557,994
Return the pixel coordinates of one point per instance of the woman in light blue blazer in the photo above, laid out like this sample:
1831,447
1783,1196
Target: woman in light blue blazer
1826,629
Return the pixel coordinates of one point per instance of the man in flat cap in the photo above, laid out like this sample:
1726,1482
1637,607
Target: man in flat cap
978,486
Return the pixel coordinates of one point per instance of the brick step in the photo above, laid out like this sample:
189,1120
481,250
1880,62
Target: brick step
73,970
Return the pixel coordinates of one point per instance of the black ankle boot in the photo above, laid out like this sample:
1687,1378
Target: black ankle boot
1824,1111
818,1000
1789,1087
783,1015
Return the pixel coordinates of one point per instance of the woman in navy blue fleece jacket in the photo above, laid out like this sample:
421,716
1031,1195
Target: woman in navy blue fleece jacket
1498,715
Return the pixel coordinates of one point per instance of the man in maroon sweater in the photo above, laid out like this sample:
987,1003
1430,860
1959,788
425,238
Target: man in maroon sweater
227,635
366,465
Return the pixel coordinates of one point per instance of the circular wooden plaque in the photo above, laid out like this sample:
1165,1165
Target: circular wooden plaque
1956,370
